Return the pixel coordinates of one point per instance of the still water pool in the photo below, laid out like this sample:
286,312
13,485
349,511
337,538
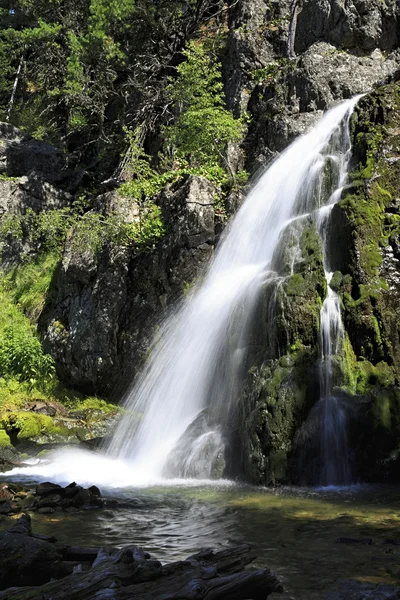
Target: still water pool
293,531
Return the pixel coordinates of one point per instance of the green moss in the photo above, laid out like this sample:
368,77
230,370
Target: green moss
5,177
385,410
296,285
29,425
371,376
92,403
369,304
4,439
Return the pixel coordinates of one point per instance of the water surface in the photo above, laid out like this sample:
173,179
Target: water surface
293,531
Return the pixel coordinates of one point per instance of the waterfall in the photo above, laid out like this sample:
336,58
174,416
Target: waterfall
175,412
330,411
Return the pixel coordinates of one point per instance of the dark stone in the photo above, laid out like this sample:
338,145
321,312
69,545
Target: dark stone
94,490
47,488
46,510
360,590
110,303
7,508
52,500
72,490
347,540
82,498
25,560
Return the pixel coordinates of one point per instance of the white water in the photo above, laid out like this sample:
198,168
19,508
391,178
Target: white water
196,360
332,413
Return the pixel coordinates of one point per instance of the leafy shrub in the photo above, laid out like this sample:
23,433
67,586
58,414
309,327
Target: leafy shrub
21,353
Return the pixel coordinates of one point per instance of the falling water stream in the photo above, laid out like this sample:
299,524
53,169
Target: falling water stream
196,361
175,422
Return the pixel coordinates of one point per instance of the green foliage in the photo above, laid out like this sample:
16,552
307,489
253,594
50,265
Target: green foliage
265,73
203,126
21,354
28,284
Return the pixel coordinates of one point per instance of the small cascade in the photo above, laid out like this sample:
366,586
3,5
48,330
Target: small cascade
331,413
197,361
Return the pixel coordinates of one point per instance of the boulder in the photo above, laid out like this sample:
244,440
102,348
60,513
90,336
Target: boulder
20,154
25,560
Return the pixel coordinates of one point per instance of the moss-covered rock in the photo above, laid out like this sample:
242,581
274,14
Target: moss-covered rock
34,427
363,245
366,223
5,441
274,402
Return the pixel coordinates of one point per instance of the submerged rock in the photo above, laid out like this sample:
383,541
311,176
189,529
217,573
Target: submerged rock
86,573
359,590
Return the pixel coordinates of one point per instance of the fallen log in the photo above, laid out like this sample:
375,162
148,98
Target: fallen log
131,573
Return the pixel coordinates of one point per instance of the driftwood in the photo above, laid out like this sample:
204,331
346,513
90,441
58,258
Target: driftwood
130,573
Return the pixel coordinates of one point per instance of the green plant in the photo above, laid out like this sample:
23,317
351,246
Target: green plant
21,354
28,284
203,126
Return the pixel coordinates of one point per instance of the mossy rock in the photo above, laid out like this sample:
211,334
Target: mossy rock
30,426
5,441
274,402
365,226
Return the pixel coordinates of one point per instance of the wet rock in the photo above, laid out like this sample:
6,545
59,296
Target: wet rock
86,573
47,488
46,510
25,560
393,541
94,491
7,508
359,590
52,500
48,498
348,540
5,493
71,490
82,498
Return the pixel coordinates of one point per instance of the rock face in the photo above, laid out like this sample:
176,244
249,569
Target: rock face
107,305
20,154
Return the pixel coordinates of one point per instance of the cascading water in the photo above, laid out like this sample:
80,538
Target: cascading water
174,424
335,459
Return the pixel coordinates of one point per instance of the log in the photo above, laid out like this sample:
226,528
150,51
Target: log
131,573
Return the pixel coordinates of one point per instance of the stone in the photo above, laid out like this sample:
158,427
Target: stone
7,508
82,498
52,500
102,342
47,488
20,154
360,590
25,560
94,491
347,540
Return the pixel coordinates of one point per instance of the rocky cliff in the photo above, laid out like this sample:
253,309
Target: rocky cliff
284,62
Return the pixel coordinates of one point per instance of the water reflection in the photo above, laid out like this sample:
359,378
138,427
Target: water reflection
293,531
